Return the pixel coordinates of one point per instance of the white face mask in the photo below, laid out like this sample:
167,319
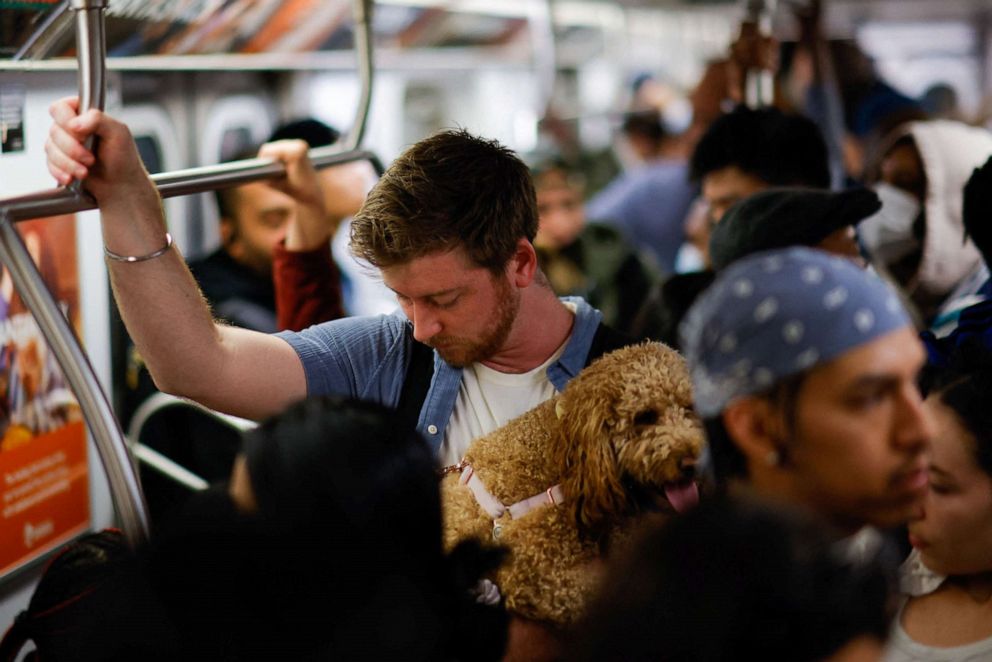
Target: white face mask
888,234
677,115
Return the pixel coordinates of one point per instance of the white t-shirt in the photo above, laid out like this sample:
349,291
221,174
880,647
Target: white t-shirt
488,399
901,648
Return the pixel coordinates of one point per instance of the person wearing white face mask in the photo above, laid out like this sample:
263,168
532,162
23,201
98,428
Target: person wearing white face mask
894,233
918,237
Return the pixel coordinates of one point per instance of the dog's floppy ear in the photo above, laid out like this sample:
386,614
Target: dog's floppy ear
591,480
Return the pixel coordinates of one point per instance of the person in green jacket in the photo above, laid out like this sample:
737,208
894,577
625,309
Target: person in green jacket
591,260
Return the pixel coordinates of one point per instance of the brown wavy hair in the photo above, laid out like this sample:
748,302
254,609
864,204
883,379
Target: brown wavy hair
449,190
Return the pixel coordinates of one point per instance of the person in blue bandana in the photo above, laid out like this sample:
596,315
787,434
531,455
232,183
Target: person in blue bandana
804,372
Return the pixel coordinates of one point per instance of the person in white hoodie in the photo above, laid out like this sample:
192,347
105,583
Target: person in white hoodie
918,237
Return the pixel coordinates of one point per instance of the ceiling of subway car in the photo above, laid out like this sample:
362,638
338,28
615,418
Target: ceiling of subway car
181,27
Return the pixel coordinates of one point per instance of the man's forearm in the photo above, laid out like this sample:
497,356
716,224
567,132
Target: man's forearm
159,301
237,371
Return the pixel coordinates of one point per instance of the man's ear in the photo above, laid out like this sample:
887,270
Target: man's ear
755,428
523,264
228,231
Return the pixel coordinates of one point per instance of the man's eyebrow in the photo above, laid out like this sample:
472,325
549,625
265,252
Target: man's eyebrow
432,295
873,381
730,197
274,209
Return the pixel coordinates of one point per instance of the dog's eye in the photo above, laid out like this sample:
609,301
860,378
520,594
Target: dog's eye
649,417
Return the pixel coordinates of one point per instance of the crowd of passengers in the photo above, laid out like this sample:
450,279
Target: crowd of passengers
827,285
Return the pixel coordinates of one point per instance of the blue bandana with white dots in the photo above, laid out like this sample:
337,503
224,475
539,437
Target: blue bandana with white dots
777,313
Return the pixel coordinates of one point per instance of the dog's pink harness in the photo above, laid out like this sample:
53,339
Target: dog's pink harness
495,508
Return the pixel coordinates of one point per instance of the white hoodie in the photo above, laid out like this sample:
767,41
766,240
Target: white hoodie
950,152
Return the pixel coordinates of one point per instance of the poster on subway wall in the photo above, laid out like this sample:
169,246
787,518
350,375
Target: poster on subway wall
44,475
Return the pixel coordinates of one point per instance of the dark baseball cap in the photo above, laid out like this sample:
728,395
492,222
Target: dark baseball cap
783,217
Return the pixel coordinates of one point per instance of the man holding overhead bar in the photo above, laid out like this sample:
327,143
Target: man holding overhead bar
450,225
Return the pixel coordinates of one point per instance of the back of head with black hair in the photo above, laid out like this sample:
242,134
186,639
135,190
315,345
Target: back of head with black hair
778,148
342,559
975,212
644,123
314,132
666,305
347,466
734,580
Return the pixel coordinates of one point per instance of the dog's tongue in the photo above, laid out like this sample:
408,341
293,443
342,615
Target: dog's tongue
683,495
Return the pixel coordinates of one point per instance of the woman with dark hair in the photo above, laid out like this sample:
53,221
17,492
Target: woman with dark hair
325,545
948,612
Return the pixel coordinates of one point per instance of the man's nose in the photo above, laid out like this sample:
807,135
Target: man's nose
425,324
914,429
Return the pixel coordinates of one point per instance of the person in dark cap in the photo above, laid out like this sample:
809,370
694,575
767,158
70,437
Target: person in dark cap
783,217
804,373
774,218
743,152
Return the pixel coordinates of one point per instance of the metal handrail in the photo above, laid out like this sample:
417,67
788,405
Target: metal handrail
168,467
236,173
43,39
164,465
759,84
176,183
544,43
91,57
91,49
363,46
125,488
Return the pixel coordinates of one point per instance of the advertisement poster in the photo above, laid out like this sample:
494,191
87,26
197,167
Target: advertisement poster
44,475
11,119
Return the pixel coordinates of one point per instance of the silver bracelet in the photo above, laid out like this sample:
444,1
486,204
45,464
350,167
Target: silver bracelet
140,258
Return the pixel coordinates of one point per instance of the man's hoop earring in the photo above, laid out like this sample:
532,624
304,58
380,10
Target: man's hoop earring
773,458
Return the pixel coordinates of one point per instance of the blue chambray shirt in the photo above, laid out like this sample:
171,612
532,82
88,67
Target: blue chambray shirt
366,358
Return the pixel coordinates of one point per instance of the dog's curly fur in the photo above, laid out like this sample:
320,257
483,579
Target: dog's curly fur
622,429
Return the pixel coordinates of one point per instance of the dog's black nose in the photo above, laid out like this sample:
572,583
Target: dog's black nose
646,417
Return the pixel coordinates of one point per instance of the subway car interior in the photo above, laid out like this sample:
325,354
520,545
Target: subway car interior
584,92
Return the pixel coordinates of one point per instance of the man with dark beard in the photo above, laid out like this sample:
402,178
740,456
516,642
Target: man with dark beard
450,225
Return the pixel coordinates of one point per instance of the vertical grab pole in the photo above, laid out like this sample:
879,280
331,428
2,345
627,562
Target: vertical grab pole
759,84
363,51
91,47
91,57
542,24
107,436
